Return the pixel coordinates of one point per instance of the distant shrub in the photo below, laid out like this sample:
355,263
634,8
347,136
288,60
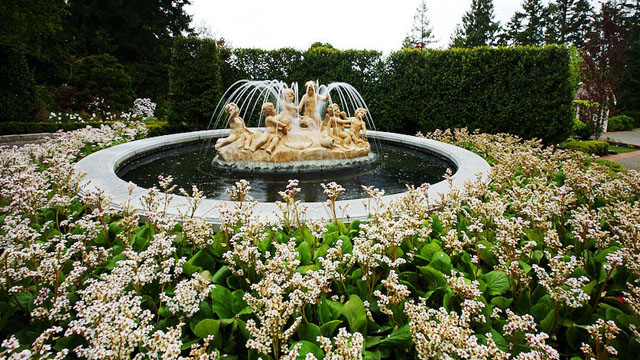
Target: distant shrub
106,81
620,123
581,129
595,147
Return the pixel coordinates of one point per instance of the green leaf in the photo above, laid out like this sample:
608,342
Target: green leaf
356,314
436,226
429,250
441,262
324,312
328,328
497,282
221,275
308,347
239,306
305,253
546,324
434,277
308,331
501,302
198,262
222,302
576,336
207,327
335,307
499,340
399,338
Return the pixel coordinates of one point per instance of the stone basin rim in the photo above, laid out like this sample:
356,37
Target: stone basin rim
100,169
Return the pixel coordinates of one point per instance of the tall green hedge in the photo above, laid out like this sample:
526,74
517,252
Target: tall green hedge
524,91
17,87
195,84
527,91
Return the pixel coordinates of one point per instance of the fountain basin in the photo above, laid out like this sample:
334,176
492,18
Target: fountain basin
101,167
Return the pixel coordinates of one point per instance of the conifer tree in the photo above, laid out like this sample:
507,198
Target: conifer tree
580,20
421,33
527,27
479,27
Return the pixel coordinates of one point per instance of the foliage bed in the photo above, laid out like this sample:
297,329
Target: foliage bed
543,262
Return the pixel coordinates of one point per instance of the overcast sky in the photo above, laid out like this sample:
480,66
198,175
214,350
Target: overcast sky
346,24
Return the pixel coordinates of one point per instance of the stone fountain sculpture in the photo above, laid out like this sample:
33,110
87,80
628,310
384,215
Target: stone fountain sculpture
291,137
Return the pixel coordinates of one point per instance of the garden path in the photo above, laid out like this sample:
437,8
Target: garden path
629,161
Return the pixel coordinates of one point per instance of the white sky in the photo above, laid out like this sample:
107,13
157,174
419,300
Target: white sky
345,24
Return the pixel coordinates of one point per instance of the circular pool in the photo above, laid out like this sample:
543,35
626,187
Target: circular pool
401,159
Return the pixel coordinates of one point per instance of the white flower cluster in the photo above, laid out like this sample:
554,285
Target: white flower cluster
143,107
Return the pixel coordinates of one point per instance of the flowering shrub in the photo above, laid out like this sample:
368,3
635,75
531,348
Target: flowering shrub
543,262
143,108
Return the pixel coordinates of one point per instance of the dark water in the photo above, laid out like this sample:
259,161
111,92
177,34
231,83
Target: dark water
395,167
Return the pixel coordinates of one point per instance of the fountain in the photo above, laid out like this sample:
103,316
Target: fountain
263,134
292,140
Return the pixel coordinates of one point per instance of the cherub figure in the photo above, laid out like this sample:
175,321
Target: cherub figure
239,132
336,125
358,124
274,129
310,103
287,108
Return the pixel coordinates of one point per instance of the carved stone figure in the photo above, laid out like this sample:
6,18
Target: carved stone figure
288,137
274,130
239,132
358,126
310,103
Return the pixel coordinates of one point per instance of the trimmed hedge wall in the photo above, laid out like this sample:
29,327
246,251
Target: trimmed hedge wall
527,91
524,91
195,83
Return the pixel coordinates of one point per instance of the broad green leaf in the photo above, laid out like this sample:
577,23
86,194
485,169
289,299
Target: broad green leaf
328,328
222,302
308,331
221,275
305,253
306,348
539,311
546,324
576,336
356,314
441,262
324,312
499,340
501,302
497,282
400,337
239,306
207,327
433,277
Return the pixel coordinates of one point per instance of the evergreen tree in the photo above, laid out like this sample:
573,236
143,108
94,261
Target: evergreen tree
568,22
580,22
527,27
479,27
558,21
421,33
138,33
630,103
